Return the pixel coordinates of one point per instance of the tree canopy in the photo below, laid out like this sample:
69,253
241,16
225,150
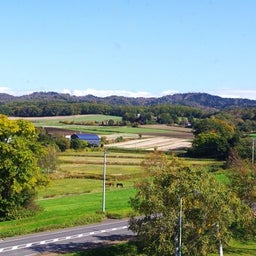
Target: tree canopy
213,138
20,175
209,209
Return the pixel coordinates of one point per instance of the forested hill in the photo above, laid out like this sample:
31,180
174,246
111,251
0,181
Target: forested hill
200,100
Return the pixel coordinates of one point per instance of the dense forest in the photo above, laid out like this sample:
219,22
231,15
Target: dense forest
199,100
181,109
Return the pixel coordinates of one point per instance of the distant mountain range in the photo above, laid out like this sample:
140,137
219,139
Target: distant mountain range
199,100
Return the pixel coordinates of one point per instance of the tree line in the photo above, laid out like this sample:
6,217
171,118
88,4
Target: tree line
143,114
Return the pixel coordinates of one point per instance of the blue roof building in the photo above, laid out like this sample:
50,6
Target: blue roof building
90,138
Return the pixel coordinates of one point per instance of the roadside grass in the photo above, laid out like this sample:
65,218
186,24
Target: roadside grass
131,248
239,248
70,211
122,249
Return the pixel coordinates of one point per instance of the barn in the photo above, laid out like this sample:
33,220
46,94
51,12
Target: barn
90,138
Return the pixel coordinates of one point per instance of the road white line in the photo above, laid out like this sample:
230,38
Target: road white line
16,247
67,230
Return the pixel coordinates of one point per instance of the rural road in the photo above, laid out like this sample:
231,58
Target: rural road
66,240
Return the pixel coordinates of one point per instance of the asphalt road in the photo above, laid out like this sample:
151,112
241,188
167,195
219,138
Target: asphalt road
66,240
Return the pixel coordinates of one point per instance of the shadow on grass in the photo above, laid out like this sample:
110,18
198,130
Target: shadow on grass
241,251
114,245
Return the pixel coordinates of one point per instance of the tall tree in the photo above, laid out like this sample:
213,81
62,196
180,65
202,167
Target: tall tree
213,138
242,178
20,175
174,198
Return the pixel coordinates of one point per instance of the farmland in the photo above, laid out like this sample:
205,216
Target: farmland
146,137
74,196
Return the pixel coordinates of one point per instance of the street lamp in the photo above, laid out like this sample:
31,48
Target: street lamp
104,181
253,148
180,226
179,249
220,244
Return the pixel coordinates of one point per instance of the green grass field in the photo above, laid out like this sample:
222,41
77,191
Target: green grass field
72,123
71,210
74,196
76,189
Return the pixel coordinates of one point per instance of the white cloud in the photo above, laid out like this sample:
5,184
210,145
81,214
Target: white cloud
235,93
5,90
225,93
105,93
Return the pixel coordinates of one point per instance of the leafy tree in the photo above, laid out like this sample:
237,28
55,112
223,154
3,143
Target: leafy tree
208,209
165,118
213,138
48,159
62,143
20,176
242,178
244,148
78,144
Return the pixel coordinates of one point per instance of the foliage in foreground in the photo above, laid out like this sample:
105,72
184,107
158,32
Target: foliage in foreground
133,249
20,176
209,209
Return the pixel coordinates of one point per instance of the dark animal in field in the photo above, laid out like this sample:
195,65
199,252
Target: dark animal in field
119,185
110,184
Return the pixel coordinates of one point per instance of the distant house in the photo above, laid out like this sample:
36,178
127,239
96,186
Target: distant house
90,138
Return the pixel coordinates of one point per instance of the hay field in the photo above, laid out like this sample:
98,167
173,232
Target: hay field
146,137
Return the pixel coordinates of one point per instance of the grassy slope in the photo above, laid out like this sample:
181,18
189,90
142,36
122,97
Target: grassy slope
70,211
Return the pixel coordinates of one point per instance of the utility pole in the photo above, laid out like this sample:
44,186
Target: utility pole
180,227
220,244
104,182
253,157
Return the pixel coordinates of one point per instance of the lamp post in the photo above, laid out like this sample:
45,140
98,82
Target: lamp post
179,250
104,182
220,244
180,227
253,157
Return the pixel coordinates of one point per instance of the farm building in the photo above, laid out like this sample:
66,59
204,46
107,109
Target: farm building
91,139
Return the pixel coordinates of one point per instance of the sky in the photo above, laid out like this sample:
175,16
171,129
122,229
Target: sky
134,48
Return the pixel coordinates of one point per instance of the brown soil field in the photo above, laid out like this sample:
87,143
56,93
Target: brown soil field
175,138
162,143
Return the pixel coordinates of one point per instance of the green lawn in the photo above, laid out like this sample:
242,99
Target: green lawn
71,210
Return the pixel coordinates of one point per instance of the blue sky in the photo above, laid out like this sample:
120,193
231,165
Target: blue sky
128,47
